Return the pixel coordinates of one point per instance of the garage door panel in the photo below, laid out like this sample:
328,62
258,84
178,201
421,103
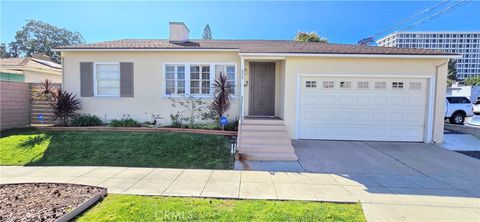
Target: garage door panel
385,114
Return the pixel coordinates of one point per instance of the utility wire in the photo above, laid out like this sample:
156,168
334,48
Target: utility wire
437,14
431,8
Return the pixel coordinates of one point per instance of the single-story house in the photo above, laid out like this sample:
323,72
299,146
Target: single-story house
317,90
30,69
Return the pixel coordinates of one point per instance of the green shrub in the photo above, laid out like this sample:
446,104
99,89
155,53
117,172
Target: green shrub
86,120
232,126
129,122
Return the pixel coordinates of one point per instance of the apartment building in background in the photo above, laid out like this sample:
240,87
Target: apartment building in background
465,43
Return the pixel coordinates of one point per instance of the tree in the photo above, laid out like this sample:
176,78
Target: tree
37,37
473,81
452,69
5,53
207,32
309,37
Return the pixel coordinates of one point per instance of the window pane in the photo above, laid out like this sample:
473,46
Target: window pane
181,69
194,84
194,90
205,69
219,69
169,75
205,75
194,75
169,91
181,76
194,69
206,84
362,85
181,91
170,83
170,68
230,69
180,83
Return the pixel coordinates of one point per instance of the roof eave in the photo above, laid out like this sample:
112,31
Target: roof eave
426,56
145,49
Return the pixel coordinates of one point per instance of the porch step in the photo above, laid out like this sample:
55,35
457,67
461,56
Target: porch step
265,140
263,127
265,148
262,122
260,139
269,156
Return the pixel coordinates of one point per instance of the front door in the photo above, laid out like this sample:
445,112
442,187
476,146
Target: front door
262,89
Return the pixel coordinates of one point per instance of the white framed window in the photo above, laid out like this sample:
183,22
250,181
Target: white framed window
107,79
380,85
310,84
362,84
228,70
195,79
415,85
200,79
328,84
174,79
345,84
397,85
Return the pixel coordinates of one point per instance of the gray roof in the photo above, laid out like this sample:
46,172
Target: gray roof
255,46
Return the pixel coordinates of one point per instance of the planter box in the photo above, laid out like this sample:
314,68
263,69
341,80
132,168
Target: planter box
138,129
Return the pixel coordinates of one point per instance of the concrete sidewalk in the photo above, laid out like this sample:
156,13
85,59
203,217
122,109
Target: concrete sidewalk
383,197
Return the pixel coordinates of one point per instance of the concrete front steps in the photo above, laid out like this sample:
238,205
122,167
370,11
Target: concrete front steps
264,140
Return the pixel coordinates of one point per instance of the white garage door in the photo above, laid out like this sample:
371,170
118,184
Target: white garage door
382,109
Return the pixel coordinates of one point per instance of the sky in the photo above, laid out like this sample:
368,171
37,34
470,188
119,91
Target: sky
338,21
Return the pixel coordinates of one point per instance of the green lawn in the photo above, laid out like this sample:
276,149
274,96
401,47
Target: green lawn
133,149
151,208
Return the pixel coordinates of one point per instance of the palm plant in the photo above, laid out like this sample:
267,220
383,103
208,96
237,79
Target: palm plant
64,105
221,97
43,91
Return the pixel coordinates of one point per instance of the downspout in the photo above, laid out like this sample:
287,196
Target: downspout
434,97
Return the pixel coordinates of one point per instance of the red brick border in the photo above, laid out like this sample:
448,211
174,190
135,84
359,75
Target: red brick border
138,129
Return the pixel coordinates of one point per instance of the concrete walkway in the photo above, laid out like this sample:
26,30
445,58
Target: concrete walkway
383,197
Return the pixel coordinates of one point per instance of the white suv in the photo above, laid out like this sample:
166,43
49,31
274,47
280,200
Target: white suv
476,107
457,108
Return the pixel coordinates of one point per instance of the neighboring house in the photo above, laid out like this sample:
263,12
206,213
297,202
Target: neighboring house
471,92
31,70
319,90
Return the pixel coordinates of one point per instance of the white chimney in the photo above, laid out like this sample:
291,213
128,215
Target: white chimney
179,32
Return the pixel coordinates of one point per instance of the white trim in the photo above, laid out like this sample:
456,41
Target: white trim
95,94
146,49
187,78
242,88
427,138
431,110
252,55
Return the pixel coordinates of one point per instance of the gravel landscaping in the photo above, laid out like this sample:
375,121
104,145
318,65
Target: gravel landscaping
42,201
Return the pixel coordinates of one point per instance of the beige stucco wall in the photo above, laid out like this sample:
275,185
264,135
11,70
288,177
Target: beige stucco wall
364,66
148,82
148,69
36,77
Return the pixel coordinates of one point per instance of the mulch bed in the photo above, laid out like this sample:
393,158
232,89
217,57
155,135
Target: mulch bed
474,154
42,201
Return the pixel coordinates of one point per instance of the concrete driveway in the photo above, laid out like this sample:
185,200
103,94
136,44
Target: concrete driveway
399,181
